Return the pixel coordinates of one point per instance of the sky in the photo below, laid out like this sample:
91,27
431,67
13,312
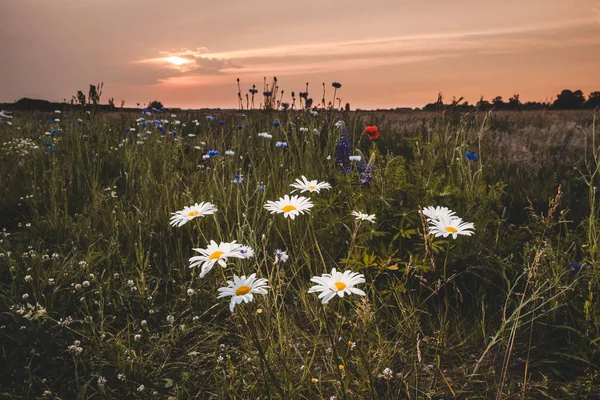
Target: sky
385,53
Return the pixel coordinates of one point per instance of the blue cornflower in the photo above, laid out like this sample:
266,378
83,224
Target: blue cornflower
276,123
281,144
174,133
336,85
162,130
261,188
471,156
47,144
213,153
50,121
575,268
267,94
253,91
243,116
53,149
237,178
126,130
209,118
229,153
221,122
53,133
144,124
240,126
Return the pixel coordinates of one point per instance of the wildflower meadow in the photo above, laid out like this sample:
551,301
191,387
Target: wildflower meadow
302,253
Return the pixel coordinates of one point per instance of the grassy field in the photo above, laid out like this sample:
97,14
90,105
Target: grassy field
98,300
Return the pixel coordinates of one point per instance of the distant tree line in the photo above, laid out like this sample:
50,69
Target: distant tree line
565,100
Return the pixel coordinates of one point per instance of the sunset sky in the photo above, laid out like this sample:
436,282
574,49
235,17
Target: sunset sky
385,53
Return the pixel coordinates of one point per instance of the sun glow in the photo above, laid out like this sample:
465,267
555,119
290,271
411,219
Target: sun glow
177,60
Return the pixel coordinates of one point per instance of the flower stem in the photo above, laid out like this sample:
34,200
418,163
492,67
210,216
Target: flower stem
263,358
335,352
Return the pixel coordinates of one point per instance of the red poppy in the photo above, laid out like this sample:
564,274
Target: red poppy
373,132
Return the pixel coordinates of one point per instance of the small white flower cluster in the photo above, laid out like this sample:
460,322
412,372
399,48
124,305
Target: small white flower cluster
19,147
30,254
75,348
29,311
387,374
66,322
111,191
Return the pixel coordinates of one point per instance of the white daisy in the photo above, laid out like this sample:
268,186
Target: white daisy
451,226
364,217
180,218
215,253
242,289
337,283
312,186
290,207
438,213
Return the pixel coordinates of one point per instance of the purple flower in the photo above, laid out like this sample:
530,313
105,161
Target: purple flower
342,150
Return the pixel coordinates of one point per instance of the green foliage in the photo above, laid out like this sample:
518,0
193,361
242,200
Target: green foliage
99,267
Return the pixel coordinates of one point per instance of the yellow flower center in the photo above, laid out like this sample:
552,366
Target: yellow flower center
216,255
242,290
193,213
312,187
340,286
451,229
288,208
